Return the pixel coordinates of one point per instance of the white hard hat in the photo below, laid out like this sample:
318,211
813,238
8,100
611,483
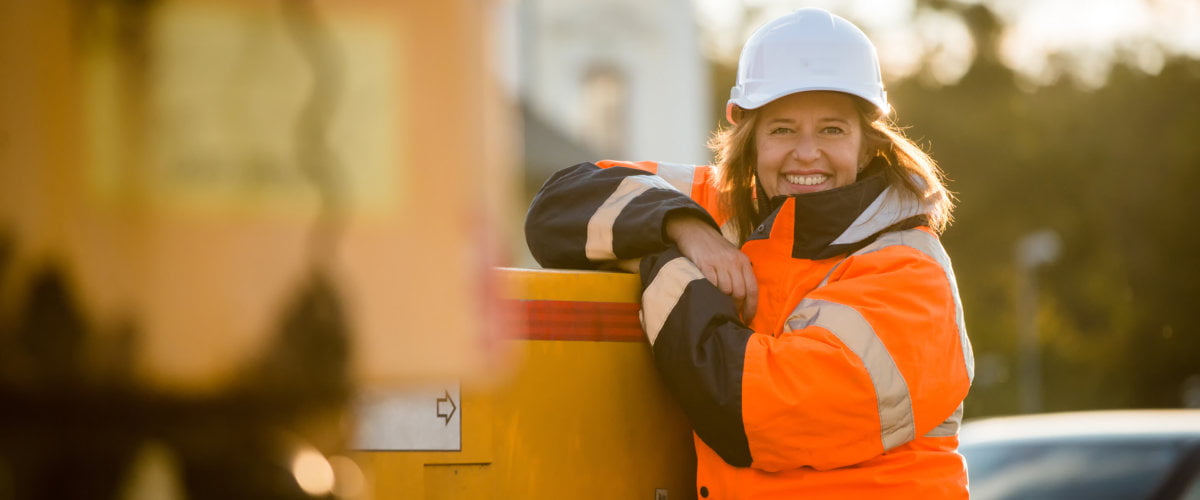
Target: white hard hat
809,49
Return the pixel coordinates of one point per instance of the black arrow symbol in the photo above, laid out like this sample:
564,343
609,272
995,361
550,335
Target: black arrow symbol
452,407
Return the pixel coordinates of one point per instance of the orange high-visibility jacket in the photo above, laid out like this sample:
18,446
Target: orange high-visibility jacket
850,380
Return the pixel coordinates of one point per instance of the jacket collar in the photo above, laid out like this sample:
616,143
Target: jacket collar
841,220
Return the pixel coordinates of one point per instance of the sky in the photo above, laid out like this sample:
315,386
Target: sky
1093,33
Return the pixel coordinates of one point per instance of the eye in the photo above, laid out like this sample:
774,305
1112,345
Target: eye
780,131
833,130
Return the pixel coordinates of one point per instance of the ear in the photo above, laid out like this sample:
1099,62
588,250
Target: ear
733,113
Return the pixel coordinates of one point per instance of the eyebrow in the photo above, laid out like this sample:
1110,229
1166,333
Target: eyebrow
825,119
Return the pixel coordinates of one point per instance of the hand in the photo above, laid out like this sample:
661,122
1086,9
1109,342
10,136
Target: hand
627,265
722,263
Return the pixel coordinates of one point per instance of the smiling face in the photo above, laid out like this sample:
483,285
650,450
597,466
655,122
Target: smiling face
808,142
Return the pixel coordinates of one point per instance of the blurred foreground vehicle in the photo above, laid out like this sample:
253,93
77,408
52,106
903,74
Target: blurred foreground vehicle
1118,454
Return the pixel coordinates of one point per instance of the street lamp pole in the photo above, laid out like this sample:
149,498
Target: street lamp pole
1032,251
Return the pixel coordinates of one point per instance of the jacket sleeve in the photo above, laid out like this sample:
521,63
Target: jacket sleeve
870,361
585,215
699,345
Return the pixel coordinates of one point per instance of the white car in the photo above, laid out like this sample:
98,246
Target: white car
1111,454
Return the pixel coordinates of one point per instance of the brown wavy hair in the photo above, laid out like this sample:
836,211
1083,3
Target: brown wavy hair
909,167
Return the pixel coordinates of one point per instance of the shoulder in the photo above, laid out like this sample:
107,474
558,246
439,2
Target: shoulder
918,242
912,255
681,176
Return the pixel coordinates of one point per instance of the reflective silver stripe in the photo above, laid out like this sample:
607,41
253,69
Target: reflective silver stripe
600,227
888,208
664,292
891,391
929,245
678,175
950,426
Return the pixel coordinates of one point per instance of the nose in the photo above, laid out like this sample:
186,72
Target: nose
805,149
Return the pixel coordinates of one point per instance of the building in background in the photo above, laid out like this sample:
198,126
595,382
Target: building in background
620,79
615,79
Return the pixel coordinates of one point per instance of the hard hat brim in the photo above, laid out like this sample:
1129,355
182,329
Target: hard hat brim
877,98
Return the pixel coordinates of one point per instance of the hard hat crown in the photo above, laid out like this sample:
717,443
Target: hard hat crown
809,49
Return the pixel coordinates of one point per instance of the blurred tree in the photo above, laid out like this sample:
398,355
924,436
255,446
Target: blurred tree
1113,170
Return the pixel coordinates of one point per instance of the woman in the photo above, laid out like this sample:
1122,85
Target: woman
798,301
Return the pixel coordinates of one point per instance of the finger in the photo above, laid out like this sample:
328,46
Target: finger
630,265
726,282
710,273
749,308
737,286
750,305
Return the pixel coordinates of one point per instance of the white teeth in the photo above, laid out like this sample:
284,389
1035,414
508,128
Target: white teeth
807,180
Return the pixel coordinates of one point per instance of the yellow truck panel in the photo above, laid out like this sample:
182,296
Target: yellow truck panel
583,416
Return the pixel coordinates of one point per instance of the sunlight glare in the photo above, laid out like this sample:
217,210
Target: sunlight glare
313,472
948,46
